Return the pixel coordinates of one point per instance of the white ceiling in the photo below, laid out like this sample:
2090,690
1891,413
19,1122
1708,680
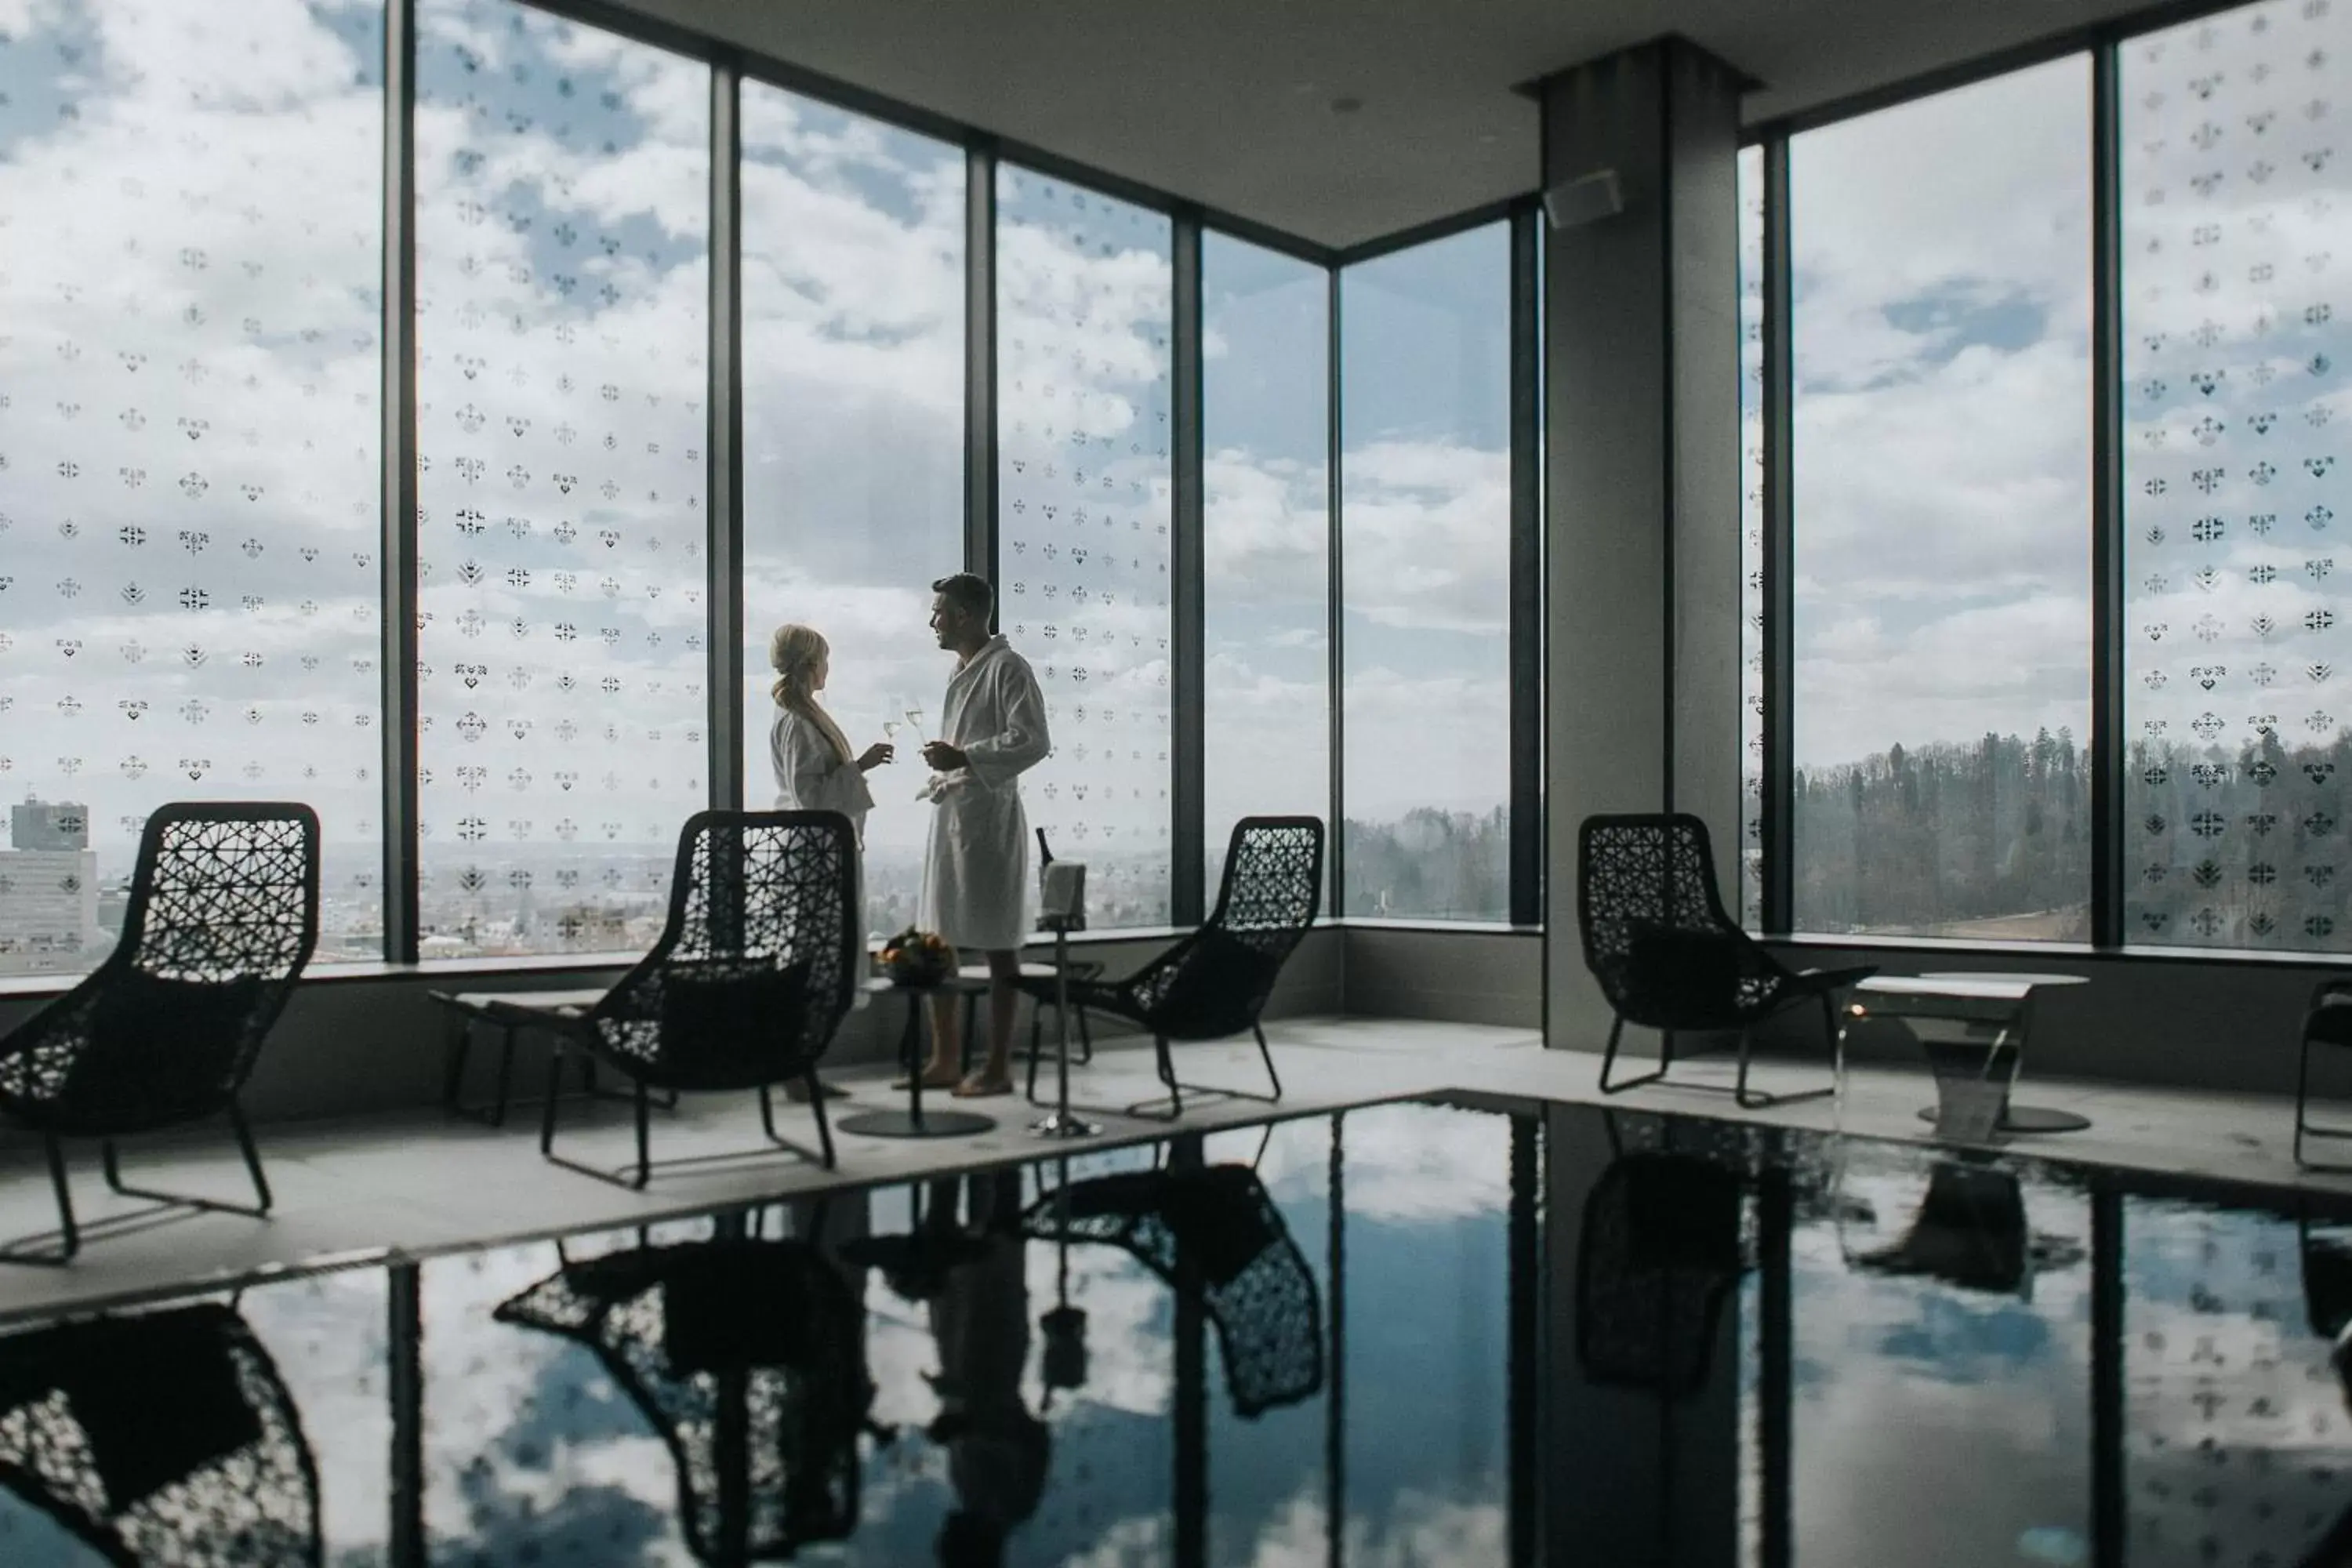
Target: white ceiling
1228,102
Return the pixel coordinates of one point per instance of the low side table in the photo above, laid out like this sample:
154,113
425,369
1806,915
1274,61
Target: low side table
1994,1011
915,1121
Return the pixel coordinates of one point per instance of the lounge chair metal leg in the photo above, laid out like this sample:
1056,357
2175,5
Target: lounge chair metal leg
68,1234
824,1128
547,1111
1749,1102
252,1154
2305,1127
1036,1036
645,1156
1609,1059
111,1160
1177,1088
768,1112
1265,1054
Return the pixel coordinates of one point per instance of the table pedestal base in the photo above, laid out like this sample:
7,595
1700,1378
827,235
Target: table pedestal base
905,1124
2028,1119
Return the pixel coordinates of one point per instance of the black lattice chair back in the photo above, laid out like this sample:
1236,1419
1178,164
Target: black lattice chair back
1214,1230
163,1436
1657,935
1217,982
759,962
222,917
747,1358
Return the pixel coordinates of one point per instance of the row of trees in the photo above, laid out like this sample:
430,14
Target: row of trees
1948,835
1431,865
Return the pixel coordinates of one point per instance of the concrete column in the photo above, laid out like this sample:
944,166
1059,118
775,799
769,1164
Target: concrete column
1642,361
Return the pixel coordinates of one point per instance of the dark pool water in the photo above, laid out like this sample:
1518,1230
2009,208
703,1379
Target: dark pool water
1419,1333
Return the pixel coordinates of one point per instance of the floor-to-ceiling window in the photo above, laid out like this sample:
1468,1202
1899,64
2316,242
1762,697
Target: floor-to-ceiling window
562,197
1425,499
1752,536
1083,356
1266,537
190,248
1941,334
853,308
2236,691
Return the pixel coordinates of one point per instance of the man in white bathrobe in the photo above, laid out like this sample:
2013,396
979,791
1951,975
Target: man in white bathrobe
976,870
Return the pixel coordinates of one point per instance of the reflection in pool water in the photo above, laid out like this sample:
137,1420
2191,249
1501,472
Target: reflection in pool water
1406,1334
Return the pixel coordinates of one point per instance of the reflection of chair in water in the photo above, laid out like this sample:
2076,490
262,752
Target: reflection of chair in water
1218,1226
745,1357
1660,1252
1969,1231
160,1438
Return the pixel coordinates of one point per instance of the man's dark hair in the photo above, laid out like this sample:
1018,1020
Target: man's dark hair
966,590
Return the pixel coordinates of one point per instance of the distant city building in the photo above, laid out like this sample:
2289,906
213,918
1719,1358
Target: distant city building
55,824
48,891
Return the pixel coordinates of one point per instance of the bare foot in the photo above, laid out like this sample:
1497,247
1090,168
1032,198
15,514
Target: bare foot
933,1078
982,1086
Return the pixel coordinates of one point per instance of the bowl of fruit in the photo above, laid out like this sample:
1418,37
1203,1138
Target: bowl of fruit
917,958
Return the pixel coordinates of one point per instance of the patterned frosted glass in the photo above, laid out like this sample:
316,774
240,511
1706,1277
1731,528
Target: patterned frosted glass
1084,497
853,434
2238,690
562,213
2236,1438
189,258
1751,537
1425,497
1267,530
1941,333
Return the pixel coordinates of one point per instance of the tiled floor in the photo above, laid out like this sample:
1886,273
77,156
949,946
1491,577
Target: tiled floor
362,1188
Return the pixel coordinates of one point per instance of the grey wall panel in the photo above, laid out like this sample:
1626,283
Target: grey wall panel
1466,976
373,1044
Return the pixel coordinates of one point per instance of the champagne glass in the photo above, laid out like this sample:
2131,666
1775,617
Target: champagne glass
915,718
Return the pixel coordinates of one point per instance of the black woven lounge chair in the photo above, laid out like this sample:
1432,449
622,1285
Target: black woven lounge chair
746,985
1214,983
160,1438
223,914
1215,1230
748,1359
1667,956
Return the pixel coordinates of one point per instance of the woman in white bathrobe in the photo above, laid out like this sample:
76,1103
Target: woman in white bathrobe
814,771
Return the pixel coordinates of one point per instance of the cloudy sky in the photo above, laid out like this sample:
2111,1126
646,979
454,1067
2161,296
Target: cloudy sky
188,410
1942,412
191,595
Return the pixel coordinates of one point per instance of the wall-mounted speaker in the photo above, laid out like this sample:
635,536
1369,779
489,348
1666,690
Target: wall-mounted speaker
1586,199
